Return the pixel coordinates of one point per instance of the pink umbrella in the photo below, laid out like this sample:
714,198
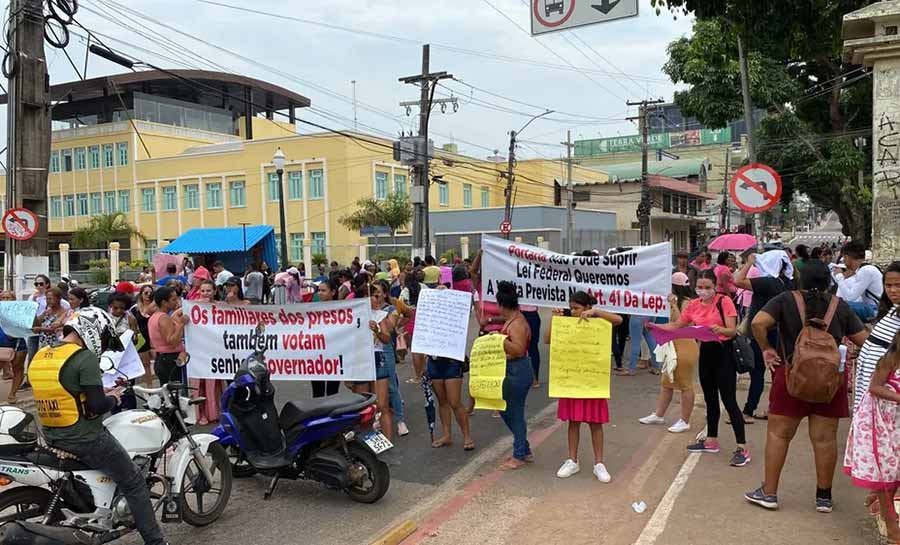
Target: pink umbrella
736,242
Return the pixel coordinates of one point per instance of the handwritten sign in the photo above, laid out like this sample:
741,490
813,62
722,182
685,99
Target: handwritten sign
17,318
487,368
580,358
125,364
314,341
442,323
636,281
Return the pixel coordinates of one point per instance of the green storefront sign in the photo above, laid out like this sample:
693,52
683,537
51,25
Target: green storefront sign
632,143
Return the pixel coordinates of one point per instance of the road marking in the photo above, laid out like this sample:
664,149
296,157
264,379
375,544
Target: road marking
660,518
649,466
396,534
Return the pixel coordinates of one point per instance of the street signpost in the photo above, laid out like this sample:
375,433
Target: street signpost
20,223
505,227
756,188
552,15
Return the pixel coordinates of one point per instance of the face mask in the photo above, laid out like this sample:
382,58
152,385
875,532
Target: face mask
705,294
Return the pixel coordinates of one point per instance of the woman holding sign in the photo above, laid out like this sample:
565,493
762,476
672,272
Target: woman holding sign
593,412
519,373
718,376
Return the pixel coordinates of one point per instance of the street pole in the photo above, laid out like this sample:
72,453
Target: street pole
748,121
355,118
244,229
726,213
427,82
646,204
278,160
28,128
570,197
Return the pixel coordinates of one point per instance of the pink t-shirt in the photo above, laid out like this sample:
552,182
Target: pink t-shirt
698,313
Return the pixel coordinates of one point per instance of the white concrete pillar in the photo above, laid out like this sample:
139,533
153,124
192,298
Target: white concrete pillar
363,251
114,272
463,247
64,259
307,258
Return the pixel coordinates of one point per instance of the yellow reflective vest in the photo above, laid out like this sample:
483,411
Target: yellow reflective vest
57,407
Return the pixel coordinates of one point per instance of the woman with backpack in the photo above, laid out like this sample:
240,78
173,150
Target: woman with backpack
718,373
815,370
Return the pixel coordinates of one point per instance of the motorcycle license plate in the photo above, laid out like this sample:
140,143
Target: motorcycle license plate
377,442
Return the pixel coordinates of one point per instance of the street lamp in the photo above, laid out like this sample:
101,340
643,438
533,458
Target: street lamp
278,161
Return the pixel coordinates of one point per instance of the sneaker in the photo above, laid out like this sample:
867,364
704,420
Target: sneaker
601,473
679,427
760,498
740,458
652,418
402,429
569,468
704,445
824,505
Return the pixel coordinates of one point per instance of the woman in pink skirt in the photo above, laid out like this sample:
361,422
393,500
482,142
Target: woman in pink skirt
872,458
593,412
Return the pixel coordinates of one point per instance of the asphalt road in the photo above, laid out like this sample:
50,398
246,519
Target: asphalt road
304,512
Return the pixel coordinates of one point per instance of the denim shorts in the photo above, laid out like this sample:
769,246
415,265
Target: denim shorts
444,368
381,369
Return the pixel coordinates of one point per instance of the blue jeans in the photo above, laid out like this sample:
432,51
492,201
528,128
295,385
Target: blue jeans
534,351
757,378
516,385
636,330
864,309
390,363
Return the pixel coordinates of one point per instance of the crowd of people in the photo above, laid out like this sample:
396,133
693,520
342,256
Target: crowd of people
769,299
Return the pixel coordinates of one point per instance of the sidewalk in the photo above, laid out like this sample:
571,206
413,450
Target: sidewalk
691,499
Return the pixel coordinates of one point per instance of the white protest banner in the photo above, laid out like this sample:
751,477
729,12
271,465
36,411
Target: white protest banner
125,364
17,318
634,282
442,323
314,341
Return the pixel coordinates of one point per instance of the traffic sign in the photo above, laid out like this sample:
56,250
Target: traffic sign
552,15
505,227
20,223
756,188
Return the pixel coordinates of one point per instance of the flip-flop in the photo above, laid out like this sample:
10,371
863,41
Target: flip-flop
469,446
441,443
512,464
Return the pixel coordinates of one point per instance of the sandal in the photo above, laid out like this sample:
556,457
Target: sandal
469,446
413,380
441,443
512,464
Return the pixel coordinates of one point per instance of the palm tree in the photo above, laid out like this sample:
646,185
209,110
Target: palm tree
367,214
394,213
103,229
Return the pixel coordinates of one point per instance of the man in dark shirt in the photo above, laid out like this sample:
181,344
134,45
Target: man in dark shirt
785,411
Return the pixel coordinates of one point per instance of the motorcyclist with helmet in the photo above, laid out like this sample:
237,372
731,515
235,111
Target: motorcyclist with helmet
68,390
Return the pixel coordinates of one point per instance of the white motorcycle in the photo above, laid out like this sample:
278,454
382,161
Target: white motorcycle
49,498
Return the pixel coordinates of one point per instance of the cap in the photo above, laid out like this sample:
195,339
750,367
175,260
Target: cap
202,273
680,279
294,271
125,287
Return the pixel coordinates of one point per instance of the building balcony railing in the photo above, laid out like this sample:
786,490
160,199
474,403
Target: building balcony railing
104,129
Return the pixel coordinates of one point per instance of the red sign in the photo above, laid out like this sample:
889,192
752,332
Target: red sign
20,223
505,227
552,13
756,188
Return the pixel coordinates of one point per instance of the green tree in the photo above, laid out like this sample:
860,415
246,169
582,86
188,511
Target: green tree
103,229
816,104
394,213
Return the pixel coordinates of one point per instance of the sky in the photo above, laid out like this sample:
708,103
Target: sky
502,75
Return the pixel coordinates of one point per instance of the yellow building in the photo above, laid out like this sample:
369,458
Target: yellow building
195,150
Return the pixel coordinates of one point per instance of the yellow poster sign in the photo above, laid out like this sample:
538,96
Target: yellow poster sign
487,368
580,358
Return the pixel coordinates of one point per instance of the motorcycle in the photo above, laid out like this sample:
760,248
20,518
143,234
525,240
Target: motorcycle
59,500
330,440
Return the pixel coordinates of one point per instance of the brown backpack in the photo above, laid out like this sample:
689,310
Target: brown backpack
813,373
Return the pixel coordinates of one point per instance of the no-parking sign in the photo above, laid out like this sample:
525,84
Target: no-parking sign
756,188
20,223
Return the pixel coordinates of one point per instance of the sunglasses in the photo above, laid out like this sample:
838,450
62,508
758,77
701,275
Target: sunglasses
39,284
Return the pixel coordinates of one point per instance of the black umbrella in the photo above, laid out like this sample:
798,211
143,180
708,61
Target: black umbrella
429,403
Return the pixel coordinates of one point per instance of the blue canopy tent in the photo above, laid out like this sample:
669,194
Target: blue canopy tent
227,244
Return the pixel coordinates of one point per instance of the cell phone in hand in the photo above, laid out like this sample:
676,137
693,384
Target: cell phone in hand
567,312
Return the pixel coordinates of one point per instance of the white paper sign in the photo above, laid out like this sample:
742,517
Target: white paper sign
634,282
125,364
313,341
442,323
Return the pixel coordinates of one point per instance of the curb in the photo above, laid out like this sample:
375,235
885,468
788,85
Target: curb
397,534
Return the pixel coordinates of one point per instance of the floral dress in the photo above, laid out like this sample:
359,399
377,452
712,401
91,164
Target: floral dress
872,458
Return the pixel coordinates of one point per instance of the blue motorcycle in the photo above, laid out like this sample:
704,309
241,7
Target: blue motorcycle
330,440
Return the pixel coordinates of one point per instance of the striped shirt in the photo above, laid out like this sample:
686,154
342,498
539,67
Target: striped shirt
875,347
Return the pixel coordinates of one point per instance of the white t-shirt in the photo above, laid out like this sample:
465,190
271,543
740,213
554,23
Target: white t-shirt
864,286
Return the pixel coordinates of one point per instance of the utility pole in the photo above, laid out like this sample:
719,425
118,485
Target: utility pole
646,204
726,213
355,118
510,169
28,129
427,81
568,247
748,121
